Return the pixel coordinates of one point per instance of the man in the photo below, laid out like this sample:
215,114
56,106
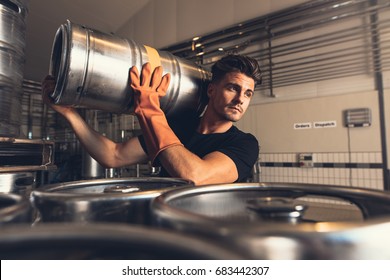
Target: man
215,151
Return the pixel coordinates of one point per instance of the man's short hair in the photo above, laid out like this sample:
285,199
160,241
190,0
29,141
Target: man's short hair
236,63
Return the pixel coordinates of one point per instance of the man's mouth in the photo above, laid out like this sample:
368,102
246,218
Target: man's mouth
235,108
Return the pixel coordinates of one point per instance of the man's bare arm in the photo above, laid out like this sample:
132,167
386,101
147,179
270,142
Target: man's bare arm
215,167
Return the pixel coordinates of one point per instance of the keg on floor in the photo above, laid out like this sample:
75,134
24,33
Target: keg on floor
92,71
283,221
14,209
104,242
13,14
21,183
120,200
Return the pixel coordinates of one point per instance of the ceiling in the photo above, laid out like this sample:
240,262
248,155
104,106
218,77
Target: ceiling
45,17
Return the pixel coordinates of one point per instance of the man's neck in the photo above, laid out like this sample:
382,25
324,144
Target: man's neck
207,127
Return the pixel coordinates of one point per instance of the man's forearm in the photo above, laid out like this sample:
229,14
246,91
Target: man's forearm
213,168
103,150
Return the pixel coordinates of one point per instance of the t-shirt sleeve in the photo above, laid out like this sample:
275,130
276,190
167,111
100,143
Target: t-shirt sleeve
244,151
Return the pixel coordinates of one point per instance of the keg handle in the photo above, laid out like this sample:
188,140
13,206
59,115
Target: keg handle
121,189
9,4
277,208
25,181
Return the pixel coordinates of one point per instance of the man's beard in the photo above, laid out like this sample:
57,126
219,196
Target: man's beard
231,118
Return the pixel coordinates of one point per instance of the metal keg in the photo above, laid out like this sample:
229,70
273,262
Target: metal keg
21,183
13,14
10,108
104,242
90,168
120,200
12,64
92,71
281,220
14,209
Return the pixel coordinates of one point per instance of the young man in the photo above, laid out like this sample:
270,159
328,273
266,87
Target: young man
214,151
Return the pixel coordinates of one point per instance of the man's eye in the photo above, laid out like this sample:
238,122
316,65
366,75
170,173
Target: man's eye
232,88
248,94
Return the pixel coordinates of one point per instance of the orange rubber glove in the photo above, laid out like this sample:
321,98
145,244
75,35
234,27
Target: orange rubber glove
147,92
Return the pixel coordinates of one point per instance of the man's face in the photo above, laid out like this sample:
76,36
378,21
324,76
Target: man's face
229,98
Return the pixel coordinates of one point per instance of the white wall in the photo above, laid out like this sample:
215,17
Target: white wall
273,124
165,22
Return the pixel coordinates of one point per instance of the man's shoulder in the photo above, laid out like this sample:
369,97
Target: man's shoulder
237,131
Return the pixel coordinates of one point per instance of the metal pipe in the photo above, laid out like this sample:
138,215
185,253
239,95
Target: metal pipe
248,27
270,68
258,26
375,37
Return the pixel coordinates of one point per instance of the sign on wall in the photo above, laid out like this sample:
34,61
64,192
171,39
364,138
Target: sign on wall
321,124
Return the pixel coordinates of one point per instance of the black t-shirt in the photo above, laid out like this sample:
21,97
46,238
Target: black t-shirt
242,148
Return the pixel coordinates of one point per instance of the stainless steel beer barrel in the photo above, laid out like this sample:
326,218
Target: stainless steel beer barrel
14,209
106,242
119,200
282,220
13,14
21,183
92,71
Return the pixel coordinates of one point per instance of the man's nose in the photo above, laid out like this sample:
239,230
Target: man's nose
239,98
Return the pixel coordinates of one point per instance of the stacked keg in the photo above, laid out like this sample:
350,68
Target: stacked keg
13,14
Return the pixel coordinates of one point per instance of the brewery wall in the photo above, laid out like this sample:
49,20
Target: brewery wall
341,155
163,23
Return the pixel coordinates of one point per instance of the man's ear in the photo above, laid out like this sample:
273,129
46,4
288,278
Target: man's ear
210,89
